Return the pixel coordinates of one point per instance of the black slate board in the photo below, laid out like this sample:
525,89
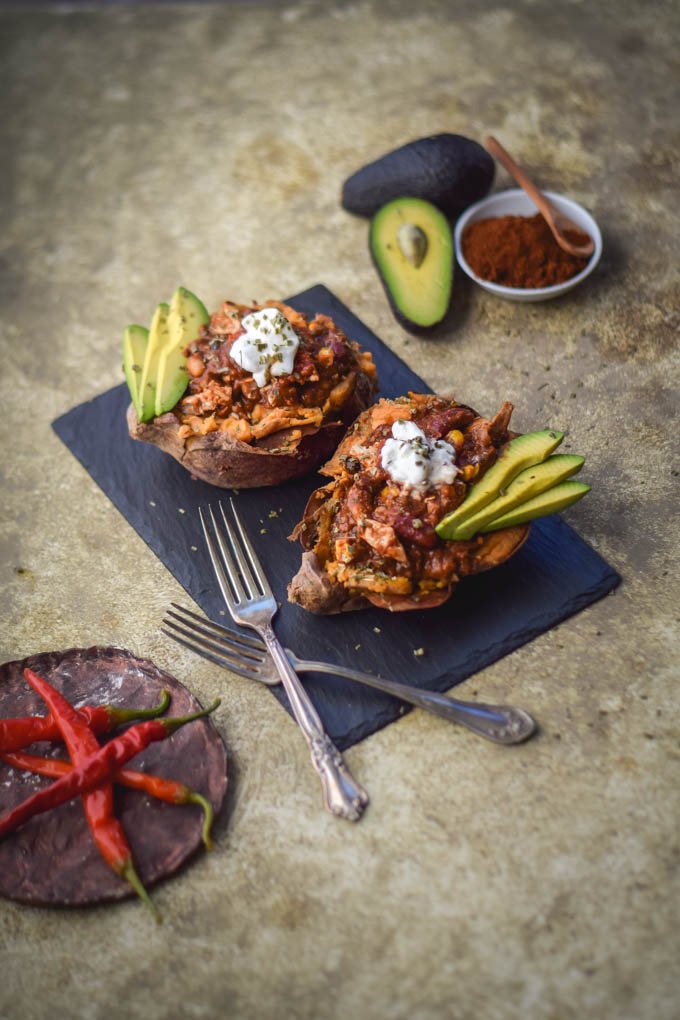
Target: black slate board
554,575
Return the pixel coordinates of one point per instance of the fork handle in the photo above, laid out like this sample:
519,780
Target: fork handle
504,724
343,796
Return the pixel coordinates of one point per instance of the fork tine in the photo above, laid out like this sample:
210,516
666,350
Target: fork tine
239,581
252,555
213,551
235,658
255,590
219,660
244,641
233,592
222,642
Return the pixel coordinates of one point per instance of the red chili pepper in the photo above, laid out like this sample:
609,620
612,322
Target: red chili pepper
98,803
96,768
162,789
18,733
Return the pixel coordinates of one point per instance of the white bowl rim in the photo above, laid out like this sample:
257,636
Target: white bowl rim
555,288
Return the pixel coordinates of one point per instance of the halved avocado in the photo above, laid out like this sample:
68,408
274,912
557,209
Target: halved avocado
412,248
158,336
520,453
135,340
186,317
551,502
528,483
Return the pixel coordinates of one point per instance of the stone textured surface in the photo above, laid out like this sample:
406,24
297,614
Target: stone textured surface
144,147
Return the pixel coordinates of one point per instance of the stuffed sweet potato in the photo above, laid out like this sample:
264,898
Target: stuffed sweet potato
270,395
369,534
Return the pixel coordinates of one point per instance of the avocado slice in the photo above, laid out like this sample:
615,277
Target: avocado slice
528,483
551,502
158,336
451,171
135,340
186,317
412,249
518,454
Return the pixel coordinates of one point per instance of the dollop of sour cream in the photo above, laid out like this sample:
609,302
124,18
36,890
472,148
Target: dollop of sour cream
268,346
412,459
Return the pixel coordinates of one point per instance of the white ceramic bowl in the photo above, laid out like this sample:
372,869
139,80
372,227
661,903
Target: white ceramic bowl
517,203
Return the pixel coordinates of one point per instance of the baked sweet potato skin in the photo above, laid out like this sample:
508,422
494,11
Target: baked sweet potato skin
315,590
221,460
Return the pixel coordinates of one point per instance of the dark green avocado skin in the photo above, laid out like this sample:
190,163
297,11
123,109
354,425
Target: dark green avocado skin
450,171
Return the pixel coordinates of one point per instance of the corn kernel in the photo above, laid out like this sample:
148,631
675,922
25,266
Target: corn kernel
387,491
470,471
455,437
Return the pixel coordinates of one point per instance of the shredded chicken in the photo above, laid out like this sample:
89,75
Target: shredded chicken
332,379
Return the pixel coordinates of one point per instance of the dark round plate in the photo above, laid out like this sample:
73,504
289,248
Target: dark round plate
53,860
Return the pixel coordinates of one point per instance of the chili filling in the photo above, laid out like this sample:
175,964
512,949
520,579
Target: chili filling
375,536
328,372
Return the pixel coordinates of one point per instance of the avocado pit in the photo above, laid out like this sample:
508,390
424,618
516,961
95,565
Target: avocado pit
413,243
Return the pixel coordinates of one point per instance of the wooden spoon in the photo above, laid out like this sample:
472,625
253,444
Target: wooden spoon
556,220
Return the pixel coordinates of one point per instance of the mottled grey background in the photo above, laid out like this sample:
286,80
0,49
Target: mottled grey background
146,146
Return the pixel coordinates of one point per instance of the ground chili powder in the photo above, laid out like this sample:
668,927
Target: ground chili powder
520,251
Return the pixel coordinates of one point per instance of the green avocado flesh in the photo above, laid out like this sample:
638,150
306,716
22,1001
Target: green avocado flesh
186,317
520,453
551,502
158,337
528,483
412,248
153,360
135,340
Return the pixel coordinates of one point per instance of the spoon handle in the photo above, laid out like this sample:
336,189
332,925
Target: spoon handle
503,724
504,157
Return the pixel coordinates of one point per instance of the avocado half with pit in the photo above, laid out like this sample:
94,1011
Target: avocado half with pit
412,249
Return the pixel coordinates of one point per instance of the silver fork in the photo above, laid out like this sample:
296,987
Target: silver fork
248,657
251,603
